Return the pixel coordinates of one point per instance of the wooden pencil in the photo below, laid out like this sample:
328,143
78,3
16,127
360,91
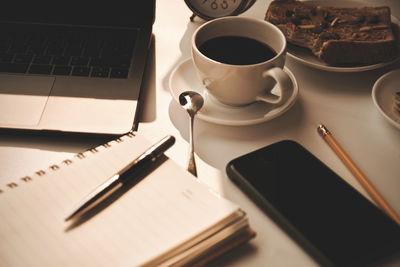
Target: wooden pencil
368,186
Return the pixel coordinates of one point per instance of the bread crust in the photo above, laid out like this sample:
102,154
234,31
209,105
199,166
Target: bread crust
338,36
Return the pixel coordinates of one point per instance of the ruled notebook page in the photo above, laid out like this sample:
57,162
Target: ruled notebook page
165,209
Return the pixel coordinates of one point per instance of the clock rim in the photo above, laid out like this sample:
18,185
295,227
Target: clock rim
242,7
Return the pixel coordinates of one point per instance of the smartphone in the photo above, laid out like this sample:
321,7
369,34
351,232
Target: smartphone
331,220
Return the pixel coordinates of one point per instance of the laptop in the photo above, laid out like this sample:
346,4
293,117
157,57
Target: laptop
73,66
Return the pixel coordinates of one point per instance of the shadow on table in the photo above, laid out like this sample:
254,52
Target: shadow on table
185,48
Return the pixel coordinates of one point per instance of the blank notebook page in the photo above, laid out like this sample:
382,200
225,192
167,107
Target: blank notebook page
165,209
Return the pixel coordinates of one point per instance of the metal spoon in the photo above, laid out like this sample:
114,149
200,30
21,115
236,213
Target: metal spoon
192,102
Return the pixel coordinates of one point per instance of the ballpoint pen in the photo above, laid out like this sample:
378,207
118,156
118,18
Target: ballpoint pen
126,174
375,195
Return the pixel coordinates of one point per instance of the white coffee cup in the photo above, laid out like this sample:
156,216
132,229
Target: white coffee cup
243,84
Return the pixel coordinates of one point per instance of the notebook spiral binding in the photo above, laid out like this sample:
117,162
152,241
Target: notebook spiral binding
64,163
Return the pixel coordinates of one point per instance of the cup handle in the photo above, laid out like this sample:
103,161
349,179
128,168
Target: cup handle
285,85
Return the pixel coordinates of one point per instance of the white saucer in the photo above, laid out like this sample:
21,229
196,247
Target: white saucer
383,95
184,78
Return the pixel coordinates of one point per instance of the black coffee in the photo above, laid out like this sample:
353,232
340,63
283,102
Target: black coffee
236,50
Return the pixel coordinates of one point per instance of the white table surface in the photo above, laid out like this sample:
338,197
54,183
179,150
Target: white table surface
342,101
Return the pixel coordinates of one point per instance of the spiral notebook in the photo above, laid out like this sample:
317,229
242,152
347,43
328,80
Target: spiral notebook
167,219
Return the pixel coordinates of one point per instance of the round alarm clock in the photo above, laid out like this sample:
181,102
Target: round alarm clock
211,9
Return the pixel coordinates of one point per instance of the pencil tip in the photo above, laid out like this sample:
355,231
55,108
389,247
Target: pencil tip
322,130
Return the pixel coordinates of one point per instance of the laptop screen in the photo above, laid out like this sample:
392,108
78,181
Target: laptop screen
85,12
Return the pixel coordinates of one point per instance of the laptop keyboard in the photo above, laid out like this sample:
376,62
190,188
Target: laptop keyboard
66,51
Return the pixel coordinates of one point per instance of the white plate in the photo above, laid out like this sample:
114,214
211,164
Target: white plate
305,56
184,78
383,95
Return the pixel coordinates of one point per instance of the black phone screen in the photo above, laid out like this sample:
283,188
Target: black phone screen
324,214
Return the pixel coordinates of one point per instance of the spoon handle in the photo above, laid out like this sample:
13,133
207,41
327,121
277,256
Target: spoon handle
192,164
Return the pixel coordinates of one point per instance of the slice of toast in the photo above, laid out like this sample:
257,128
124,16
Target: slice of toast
338,36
